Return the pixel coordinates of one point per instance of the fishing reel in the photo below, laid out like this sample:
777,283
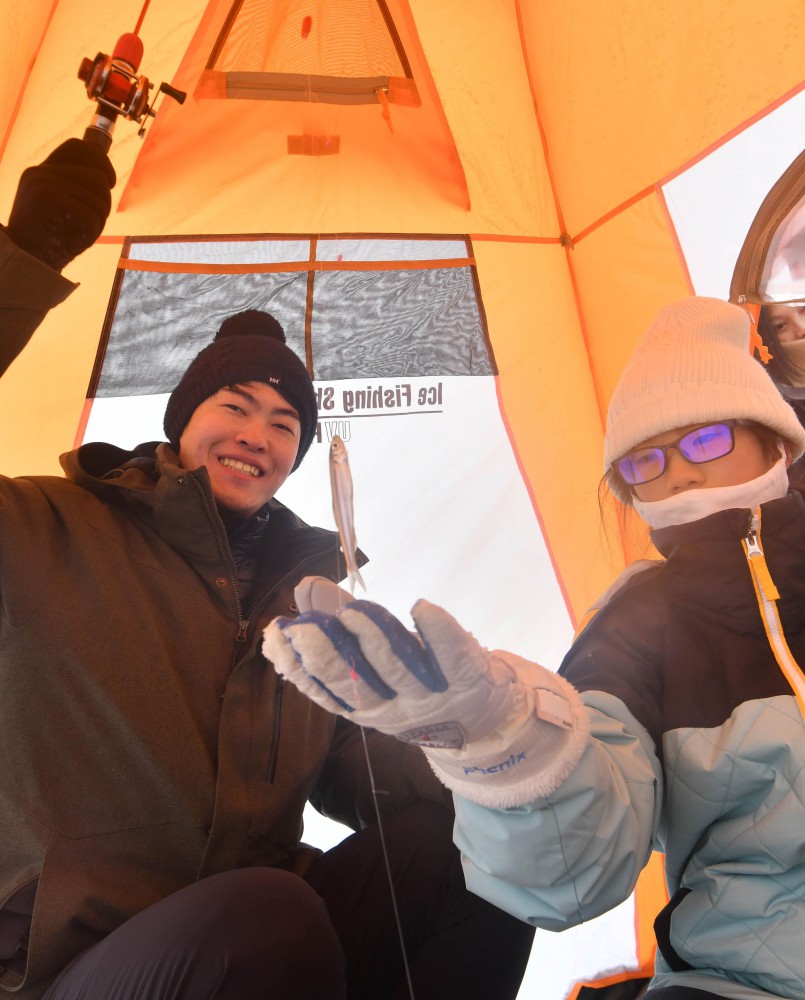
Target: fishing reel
112,81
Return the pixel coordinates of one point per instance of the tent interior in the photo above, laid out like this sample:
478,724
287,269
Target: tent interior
464,213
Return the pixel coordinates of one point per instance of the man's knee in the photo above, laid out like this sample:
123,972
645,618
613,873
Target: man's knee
247,933
244,901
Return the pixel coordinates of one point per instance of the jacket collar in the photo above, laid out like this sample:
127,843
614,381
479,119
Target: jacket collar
180,503
780,517
706,564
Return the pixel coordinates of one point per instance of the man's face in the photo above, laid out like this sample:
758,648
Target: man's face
247,436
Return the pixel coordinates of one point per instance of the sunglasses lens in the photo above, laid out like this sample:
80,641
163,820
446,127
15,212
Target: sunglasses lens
707,443
641,466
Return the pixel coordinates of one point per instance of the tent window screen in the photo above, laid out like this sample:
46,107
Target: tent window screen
352,308
331,51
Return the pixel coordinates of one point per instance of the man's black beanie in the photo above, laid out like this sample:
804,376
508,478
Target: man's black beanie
249,347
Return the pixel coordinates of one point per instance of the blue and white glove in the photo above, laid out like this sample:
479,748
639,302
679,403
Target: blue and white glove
497,729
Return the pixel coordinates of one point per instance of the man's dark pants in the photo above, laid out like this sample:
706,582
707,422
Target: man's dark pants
265,934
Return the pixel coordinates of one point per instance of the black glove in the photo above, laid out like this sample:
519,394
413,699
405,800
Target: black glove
61,205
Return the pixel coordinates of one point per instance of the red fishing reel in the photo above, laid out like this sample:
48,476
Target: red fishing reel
113,82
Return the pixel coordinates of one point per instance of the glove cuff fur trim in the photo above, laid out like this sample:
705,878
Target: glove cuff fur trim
520,765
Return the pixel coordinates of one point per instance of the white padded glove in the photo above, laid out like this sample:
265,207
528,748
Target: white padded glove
496,728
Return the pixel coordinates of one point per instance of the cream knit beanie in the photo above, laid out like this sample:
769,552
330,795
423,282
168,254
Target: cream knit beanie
694,364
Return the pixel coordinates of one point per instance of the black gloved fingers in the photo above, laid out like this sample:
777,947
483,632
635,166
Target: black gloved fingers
89,155
61,205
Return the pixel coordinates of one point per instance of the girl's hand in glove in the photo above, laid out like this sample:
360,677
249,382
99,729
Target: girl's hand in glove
496,728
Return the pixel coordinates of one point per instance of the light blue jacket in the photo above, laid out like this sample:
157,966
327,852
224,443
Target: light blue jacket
698,751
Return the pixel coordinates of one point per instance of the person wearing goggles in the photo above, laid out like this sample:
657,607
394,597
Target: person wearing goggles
675,722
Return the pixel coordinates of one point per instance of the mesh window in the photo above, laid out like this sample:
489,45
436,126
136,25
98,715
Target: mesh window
370,317
391,323
162,320
321,51
347,38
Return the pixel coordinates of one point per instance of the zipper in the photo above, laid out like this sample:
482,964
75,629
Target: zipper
245,621
767,595
296,86
223,547
273,753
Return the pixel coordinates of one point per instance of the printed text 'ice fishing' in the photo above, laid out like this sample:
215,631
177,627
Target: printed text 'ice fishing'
400,396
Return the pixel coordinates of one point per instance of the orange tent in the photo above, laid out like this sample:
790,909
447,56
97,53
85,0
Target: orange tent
555,126
581,163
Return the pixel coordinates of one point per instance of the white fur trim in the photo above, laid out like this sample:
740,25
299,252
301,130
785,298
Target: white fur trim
520,766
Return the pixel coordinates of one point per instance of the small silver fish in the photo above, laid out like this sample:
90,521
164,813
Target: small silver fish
341,487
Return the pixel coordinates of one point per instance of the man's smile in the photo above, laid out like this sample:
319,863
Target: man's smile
238,466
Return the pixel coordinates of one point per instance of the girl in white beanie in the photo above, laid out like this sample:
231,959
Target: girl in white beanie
694,411
675,723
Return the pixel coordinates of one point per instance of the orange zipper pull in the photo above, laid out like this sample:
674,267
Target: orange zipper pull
384,102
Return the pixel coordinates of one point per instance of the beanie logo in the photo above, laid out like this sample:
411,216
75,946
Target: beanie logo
274,379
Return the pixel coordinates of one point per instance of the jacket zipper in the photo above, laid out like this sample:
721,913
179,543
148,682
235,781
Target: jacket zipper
223,547
767,595
243,623
273,753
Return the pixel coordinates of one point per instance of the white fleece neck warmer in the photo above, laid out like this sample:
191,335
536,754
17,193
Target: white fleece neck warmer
691,505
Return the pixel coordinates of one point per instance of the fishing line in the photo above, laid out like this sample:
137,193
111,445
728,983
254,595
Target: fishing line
346,559
375,791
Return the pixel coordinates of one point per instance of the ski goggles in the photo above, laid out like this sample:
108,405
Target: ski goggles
704,444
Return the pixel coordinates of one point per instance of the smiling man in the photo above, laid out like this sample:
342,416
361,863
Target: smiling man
156,765
245,410
247,437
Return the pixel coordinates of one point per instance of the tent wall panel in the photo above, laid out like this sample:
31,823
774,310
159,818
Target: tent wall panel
547,397
20,37
628,93
407,174
482,56
42,395
626,270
